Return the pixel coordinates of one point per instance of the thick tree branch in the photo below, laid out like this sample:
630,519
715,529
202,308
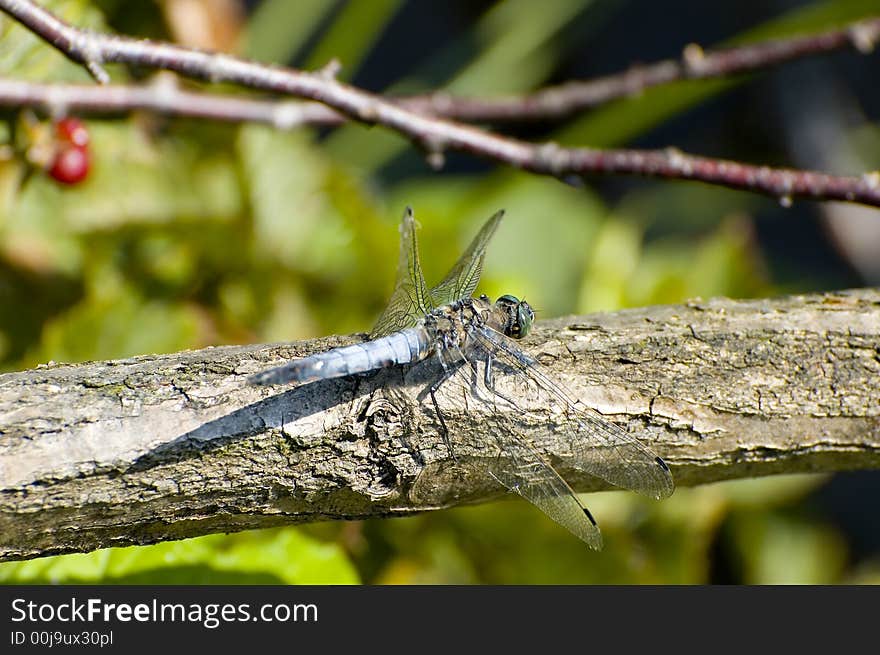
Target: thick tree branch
171,446
434,135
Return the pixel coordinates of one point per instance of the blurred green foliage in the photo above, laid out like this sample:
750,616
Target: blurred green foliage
255,557
189,234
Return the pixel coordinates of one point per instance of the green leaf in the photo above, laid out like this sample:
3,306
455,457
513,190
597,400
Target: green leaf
781,548
279,28
118,325
355,28
294,221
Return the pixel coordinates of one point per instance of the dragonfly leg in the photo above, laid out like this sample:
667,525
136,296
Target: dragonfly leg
443,429
475,377
432,390
489,381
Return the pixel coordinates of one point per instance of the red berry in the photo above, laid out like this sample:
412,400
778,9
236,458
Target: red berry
73,131
71,165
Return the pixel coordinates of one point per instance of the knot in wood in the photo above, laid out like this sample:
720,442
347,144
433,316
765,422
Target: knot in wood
382,419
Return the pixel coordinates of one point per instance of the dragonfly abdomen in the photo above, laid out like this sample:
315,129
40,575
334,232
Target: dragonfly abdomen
403,347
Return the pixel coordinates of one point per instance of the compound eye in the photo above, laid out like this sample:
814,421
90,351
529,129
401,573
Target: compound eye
524,318
507,299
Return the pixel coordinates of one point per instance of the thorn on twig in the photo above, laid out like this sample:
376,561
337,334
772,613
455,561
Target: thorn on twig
164,80
436,159
84,48
330,70
369,112
287,115
550,157
693,57
433,148
440,103
55,105
864,36
165,85
679,161
872,179
217,67
97,72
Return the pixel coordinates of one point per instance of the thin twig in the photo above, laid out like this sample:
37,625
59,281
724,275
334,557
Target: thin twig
553,102
164,95
434,135
567,99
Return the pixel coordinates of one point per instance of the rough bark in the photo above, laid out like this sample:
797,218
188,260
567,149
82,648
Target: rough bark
170,446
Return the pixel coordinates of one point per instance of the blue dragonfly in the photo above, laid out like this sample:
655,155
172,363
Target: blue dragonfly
484,374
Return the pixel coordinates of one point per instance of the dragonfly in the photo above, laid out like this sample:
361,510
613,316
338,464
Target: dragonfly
481,373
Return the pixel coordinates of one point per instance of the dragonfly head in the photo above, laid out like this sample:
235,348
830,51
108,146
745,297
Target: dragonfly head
519,316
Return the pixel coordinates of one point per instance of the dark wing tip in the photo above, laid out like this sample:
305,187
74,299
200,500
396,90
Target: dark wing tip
594,537
261,379
669,486
590,516
277,375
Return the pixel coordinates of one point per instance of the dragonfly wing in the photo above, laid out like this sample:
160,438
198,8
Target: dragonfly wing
596,445
522,469
410,300
518,466
463,277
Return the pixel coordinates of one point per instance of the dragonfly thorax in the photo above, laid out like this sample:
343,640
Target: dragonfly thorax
452,325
